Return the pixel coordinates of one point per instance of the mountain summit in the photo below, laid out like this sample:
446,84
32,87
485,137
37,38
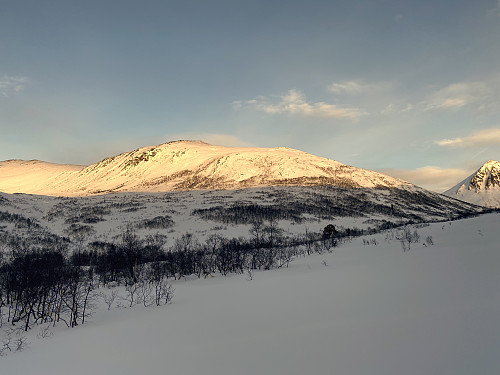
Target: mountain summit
482,187
187,165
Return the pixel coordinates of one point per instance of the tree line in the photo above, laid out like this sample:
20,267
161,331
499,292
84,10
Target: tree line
45,282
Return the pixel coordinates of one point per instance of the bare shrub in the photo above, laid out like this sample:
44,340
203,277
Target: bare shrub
13,339
429,241
45,332
250,273
110,298
145,293
131,294
166,292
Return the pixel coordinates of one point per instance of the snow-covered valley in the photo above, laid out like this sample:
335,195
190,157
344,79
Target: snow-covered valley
221,260
230,213
362,309
249,187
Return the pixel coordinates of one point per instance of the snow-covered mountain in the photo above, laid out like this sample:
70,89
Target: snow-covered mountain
193,186
18,176
481,188
187,165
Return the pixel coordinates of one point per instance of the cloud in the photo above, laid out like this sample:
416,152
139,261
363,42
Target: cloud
478,95
357,87
393,108
483,137
431,177
11,85
213,139
450,142
294,102
457,95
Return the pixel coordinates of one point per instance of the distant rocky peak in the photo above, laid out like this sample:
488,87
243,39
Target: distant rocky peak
486,177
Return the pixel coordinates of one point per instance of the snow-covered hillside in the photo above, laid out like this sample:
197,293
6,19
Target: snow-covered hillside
230,213
360,310
187,165
17,176
481,188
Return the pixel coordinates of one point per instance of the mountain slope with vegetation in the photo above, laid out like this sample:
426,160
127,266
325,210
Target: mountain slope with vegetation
190,165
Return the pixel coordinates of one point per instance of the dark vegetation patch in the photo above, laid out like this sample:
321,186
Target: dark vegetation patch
331,202
18,220
4,201
75,211
158,222
79,230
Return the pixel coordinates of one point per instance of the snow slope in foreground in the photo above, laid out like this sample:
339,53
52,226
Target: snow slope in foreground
372,310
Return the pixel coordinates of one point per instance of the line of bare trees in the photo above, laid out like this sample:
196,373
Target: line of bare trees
47,285
134,259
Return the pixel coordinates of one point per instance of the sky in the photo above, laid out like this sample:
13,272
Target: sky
408,88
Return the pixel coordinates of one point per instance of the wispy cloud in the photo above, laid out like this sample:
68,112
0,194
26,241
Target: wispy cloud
431,177
357,87
483,137
294,102
458,95
11,85
395,108
477,95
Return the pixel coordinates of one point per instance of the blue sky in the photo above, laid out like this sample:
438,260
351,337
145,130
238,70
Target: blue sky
410,88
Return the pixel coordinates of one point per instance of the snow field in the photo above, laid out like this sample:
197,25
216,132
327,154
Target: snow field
370,310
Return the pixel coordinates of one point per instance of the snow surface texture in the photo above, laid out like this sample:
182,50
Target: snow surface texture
481,188
187,165
373,310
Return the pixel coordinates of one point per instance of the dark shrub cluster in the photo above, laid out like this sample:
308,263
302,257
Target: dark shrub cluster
18,220
158,222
